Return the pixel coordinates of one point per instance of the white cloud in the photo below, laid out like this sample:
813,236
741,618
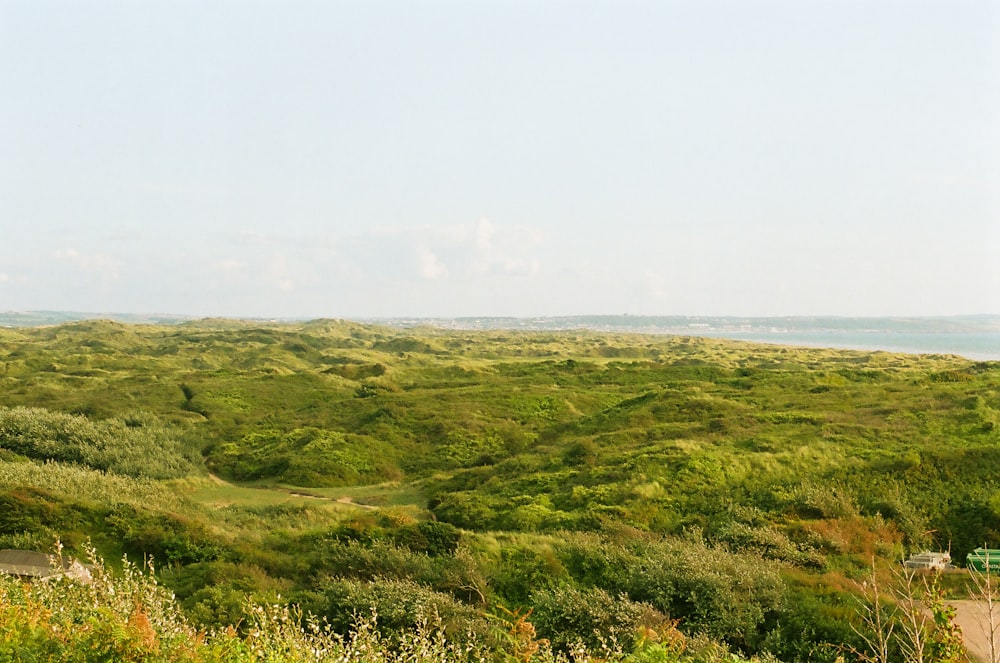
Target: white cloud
96,263
229,265
260,272
227,272
248,237
520,266
484,234
429,265
504,250
13,278
468,250
657,286
455,233
592,272
280,274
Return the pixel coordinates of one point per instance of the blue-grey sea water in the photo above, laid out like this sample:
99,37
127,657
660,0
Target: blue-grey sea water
980,347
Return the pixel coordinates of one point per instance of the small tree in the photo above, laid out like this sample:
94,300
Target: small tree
878,618
985,593
945,643
914,621
912,618
188,396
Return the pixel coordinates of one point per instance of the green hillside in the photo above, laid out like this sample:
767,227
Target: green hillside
608,483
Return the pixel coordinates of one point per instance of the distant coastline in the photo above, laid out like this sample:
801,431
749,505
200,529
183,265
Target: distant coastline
975,337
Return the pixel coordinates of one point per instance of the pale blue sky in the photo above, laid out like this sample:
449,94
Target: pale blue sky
417,158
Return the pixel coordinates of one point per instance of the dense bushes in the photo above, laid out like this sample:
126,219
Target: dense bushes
567,615
135,444
167,537
306,457
219,593
710,589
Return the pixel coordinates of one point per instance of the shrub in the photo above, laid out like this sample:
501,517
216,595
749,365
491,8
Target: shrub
164,536
567,615
466,509
429,536
399,607
520,570
710,589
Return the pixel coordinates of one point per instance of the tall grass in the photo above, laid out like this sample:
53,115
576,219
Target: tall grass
89,485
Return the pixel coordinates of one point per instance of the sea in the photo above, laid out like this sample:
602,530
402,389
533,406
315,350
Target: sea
978,347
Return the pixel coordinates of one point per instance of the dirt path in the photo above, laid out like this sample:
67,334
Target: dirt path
348,500
972,617
339,500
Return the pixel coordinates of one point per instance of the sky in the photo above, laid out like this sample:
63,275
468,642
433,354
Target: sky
430,158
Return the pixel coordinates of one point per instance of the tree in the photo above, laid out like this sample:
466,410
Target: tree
985,593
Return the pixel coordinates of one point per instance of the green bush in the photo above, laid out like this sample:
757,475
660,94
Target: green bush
165,537
710,589
519,570
466,509
566,615
428,536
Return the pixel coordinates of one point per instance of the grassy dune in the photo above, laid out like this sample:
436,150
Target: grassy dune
605,481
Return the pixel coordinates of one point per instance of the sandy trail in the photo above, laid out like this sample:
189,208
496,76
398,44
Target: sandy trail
348,500
339,500
973,618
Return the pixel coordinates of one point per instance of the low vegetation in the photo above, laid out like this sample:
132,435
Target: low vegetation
501,494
